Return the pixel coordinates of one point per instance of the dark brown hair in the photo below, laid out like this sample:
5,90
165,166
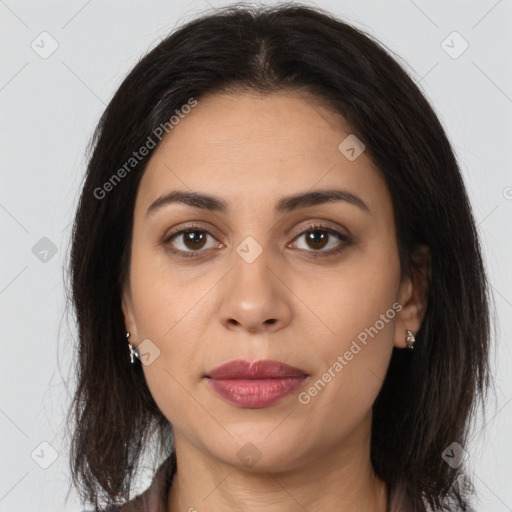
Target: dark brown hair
430,394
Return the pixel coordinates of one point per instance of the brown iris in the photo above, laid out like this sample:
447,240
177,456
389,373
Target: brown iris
317,241
196,238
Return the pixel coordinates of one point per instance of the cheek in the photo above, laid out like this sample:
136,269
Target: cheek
352,299
157,293
352,368
165,313
167,318
171,393
358,308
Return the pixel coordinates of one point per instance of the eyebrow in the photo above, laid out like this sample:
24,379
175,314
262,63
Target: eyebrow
285,204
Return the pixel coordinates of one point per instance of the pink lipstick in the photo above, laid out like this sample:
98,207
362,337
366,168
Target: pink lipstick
255,385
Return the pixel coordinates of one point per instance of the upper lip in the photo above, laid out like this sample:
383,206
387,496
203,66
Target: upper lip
263,369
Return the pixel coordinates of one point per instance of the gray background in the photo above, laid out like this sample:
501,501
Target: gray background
49,108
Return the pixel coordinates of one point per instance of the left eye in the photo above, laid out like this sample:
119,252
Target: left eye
319,237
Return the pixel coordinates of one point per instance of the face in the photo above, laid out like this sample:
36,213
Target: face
313,284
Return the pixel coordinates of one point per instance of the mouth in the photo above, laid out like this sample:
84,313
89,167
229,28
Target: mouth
255,385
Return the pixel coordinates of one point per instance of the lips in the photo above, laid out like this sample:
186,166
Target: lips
263,369
255,385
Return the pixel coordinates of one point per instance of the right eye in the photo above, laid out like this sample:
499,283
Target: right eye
188,241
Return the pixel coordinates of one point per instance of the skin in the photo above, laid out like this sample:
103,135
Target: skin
251,150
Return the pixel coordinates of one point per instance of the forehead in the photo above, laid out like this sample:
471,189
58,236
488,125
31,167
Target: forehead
261,147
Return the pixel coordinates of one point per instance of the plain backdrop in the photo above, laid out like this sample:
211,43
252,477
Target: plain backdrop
61,62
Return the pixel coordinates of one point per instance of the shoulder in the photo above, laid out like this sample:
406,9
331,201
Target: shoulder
138,504
154,498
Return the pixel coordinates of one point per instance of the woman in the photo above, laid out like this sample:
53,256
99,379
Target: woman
275,269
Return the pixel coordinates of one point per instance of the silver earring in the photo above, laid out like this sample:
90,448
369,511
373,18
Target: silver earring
410,339
132,350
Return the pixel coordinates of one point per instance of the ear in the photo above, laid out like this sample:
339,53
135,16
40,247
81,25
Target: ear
128,313
413,296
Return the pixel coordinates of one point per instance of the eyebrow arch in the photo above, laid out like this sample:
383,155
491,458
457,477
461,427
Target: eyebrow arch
285,204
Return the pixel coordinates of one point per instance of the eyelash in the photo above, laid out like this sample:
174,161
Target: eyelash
314,227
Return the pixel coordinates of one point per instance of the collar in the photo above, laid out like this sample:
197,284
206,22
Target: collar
154,498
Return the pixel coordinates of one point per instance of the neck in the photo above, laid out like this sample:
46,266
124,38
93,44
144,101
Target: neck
339,480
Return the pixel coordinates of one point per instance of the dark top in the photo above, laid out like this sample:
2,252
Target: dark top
154,498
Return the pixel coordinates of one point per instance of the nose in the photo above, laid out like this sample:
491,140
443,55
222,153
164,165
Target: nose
254,297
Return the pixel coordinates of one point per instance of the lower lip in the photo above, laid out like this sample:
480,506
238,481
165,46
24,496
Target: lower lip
255,393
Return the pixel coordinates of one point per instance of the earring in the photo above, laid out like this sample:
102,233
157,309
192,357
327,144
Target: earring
410,339
132,350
